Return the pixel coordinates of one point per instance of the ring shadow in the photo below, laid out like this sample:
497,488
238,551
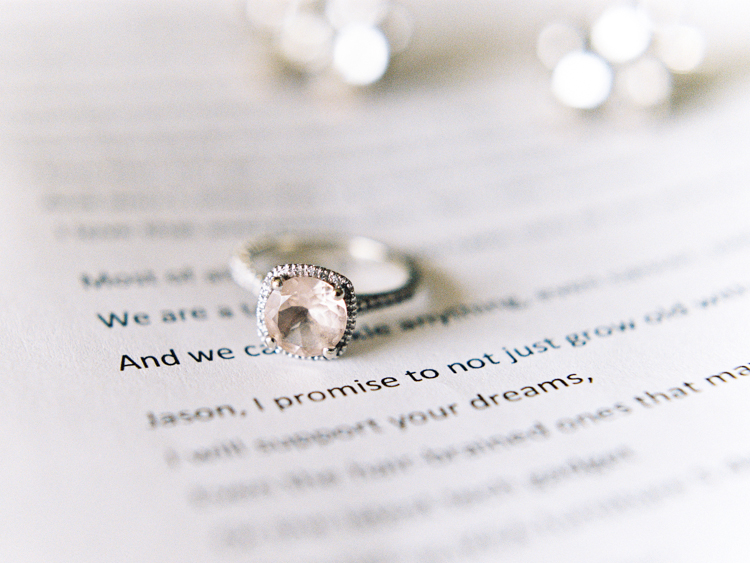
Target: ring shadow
437,291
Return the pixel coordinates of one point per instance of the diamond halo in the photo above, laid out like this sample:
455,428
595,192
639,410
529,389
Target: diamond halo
308,311
303,318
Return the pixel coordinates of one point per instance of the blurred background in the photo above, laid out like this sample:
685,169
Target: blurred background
190,120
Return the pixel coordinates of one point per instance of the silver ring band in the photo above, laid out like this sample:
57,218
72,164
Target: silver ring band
309,311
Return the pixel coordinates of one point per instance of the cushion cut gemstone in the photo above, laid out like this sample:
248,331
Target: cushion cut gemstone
304,316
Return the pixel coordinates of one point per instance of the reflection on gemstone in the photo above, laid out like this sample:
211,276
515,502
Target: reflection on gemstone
304,316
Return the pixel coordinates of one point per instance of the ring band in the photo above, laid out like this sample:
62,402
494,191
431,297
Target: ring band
308,311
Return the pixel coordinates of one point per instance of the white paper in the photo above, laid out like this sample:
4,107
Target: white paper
143,142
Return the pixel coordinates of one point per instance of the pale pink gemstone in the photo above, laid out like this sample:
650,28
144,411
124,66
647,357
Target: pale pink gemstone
304,317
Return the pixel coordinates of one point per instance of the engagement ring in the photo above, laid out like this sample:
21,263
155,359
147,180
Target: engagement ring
309,311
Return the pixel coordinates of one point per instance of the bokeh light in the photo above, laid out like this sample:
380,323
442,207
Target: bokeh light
627,50
353,38
305,41
582,80
647,82
344,12
555,41
398,27
681,47
621,34
360,54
